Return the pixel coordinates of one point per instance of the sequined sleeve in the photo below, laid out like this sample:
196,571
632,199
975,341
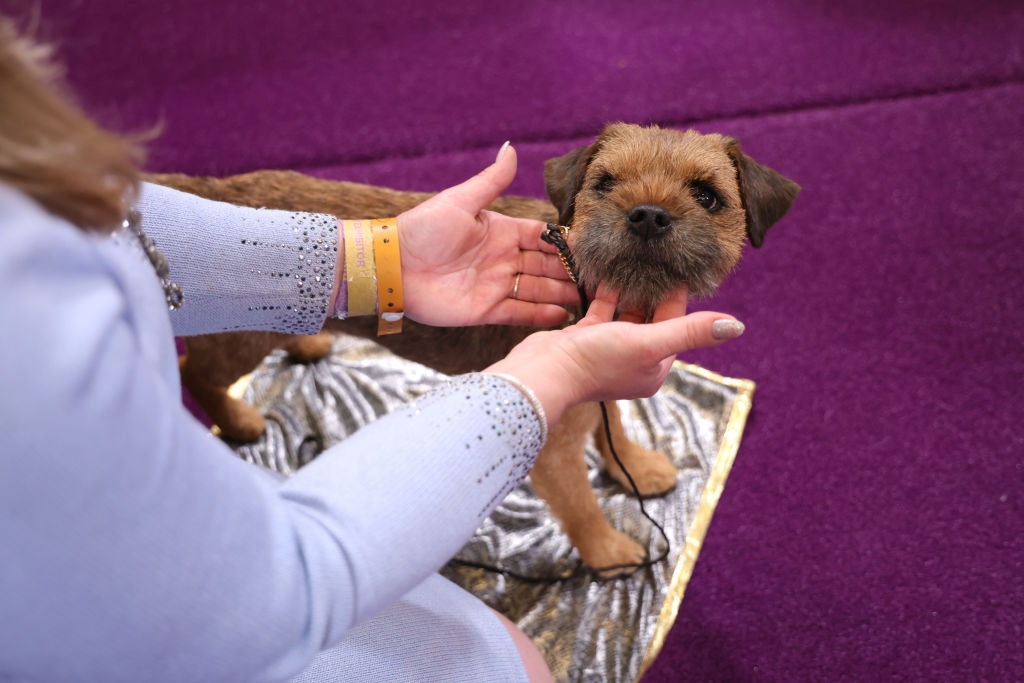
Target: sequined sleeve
242,268
423,478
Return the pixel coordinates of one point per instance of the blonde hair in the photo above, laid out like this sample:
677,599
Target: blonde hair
52,151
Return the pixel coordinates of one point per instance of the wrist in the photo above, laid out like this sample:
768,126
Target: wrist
542,385
369,272
402,227
388,263
531,396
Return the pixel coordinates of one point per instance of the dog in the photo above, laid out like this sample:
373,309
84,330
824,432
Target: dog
649,209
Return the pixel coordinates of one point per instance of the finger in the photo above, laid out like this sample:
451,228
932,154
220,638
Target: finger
672,306
547,291
527,229
530,237
516,312
696,330
546,265
483,188
602,306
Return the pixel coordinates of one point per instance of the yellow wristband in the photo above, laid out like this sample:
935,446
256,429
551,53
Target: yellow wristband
389,275
360,271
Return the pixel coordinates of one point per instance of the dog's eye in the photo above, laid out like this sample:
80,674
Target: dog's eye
604,184
707,198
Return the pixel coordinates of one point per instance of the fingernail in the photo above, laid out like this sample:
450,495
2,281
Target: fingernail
727,329
501,152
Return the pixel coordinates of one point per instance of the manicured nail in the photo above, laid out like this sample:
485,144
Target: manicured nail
727,329
501,152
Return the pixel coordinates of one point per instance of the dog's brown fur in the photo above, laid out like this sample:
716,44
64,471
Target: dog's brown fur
697,197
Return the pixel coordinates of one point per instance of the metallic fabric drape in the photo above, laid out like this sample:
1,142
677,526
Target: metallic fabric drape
588,630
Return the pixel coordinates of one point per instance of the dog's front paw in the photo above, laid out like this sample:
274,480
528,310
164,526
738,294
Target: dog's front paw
611,553
653,473
239,421
309,348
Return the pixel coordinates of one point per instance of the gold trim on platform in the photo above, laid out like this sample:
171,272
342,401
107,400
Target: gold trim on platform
708,501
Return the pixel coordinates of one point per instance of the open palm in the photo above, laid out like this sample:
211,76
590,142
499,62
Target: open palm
460,263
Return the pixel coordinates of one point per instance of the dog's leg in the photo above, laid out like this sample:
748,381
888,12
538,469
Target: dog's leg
212,363
237,420
560,478
309,348
653,473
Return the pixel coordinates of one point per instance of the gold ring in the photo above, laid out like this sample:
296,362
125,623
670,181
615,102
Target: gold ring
515,287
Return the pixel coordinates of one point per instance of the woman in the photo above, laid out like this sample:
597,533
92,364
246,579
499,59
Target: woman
138,547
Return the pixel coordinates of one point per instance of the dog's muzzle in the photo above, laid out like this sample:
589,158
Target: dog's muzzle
648,221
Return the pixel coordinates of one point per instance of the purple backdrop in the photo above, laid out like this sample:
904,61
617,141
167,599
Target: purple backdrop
872,524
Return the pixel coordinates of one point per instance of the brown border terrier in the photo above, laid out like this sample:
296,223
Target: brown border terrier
650,210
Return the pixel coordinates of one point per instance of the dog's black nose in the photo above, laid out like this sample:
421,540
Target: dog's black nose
649,221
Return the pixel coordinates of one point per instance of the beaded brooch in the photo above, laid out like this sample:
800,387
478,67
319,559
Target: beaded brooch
172,292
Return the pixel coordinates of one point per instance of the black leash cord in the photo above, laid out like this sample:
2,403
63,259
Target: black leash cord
556,235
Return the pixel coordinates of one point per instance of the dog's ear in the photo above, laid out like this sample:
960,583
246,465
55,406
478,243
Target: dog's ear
563,179
767,194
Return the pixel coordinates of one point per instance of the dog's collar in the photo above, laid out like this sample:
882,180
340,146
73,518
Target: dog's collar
556,235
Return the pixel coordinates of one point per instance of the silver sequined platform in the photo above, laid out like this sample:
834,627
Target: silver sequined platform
587,630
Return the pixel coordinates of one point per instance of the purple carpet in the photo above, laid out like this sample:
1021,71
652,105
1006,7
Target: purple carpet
872,526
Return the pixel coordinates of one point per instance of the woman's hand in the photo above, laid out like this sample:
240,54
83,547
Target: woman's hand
460,263
598,359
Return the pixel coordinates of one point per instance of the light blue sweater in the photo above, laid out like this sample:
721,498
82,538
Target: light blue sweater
136,546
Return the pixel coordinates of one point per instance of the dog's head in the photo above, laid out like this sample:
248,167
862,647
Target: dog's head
652,209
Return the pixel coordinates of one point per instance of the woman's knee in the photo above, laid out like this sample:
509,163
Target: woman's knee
536,668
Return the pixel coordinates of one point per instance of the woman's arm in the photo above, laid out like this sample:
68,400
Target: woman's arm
242,268
260,269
